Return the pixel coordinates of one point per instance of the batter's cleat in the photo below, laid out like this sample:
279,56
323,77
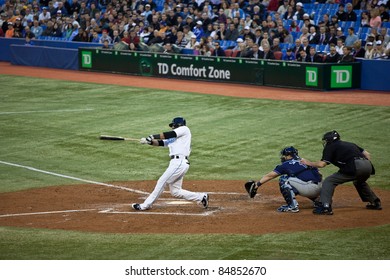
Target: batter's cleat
136,206
287,208
376,205
321,210
205,201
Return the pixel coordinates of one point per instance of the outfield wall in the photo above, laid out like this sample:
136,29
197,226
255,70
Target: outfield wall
373,74
314,76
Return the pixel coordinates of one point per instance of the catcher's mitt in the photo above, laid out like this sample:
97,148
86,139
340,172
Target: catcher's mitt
251,188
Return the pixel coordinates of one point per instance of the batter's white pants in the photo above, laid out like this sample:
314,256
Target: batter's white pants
173,177
306,189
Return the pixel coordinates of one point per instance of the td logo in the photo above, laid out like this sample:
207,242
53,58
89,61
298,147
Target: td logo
86,59
341,76
312,76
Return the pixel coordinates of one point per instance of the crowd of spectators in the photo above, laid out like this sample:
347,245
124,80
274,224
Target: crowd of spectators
253,28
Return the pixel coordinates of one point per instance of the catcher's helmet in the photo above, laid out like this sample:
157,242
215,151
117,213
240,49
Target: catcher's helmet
331,136
178,121
288,151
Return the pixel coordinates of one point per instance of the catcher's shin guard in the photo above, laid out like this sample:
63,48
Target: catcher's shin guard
288,194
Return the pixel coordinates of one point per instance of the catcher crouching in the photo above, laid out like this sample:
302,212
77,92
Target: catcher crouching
295,179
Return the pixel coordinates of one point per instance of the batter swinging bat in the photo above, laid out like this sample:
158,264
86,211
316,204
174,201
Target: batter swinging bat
108,137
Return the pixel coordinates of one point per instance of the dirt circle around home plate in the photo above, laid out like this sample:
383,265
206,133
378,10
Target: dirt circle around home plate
106,207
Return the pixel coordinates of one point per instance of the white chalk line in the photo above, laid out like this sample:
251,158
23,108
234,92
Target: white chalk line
45,213
149,212
46,111
73,178
109,211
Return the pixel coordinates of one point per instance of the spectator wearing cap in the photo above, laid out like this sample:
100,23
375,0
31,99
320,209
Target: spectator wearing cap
248,33
147,12
299,11
104,37
379,51
44,16
350,13
198,30
64,11
163,27
351,37
190,21
341,14
192,43
289,55
152,4
10,33
340,34
369,50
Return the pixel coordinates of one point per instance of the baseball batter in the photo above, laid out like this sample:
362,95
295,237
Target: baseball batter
295,179
178,140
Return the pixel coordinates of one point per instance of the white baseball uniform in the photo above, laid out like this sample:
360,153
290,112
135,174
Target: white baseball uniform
179,152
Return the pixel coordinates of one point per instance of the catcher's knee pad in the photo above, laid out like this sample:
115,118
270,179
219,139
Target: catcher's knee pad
283,180
288,194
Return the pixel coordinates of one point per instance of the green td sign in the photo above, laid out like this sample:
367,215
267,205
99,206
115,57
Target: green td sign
86,59
312,76
341,76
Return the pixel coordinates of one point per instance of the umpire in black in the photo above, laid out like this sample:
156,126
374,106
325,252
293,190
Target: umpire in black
354,165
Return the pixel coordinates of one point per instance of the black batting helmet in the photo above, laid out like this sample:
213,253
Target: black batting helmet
178,121
331,136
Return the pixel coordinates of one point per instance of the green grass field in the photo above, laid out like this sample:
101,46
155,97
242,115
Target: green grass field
54,125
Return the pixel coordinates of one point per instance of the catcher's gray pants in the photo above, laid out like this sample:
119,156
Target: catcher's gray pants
307,189
363,172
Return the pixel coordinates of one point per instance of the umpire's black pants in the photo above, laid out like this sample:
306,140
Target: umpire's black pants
363,172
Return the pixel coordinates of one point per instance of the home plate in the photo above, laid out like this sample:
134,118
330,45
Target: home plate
178,202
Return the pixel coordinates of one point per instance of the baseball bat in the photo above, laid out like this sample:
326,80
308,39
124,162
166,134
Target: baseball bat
120,138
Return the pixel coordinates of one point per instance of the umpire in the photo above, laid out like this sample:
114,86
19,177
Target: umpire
354,165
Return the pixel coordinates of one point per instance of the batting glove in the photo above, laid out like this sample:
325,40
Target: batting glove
146,140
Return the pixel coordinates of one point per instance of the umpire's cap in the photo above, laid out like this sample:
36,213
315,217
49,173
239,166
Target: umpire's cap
331,136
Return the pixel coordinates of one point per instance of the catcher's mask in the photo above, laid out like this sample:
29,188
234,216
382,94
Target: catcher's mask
288,151
176,122
330,137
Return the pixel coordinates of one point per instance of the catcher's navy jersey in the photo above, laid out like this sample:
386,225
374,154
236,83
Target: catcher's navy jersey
294,168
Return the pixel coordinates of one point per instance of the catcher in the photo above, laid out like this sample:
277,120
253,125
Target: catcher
295,179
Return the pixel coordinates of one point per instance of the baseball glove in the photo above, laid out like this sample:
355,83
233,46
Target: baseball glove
251,188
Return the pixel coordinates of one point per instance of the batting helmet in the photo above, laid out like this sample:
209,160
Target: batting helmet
288,151
178,121
331,136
